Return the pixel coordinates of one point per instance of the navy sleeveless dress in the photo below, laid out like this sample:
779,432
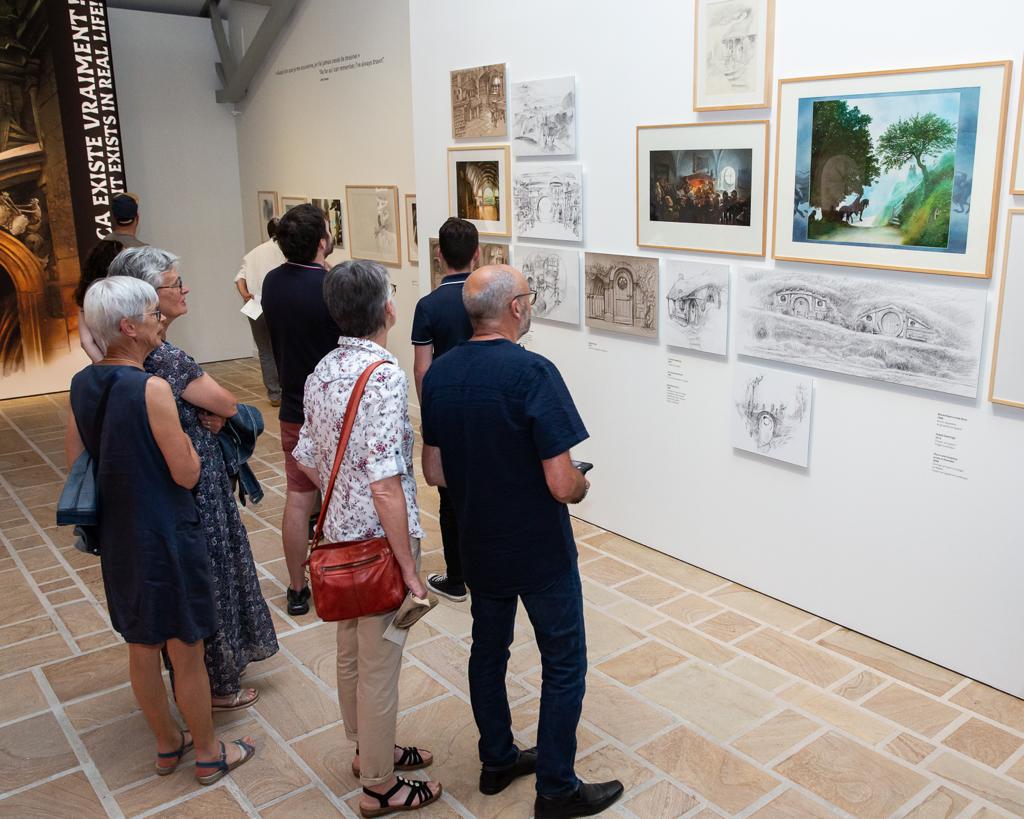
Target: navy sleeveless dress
156,570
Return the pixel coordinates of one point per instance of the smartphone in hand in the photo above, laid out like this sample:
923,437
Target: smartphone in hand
583,466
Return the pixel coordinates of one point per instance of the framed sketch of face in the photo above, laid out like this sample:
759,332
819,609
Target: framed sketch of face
373,224
268,208
412,235
732,54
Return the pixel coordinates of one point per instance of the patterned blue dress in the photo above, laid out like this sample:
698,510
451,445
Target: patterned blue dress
245,631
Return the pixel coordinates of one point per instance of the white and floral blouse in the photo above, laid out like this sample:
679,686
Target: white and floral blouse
381,442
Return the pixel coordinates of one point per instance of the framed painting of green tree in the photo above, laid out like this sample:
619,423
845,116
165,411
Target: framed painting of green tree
898,170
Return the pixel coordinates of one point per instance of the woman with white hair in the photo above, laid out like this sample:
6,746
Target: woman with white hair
245,632
156,572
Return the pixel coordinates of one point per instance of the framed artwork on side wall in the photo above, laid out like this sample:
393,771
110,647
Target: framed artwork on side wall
332,207
1006,384
268,209
548,201
478,187
490,253
544,117
621,293
703,186
289,202
698,306
412,234
772,413
1017,175
373,223
478,102
732,54
554,273
896,170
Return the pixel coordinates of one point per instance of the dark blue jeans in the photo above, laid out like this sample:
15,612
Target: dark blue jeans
556,613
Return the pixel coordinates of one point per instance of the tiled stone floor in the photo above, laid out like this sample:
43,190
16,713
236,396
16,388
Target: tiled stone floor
706,698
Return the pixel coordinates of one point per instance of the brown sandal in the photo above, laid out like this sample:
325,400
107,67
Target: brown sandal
419,797
410,760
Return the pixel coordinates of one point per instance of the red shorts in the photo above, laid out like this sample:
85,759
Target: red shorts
298,481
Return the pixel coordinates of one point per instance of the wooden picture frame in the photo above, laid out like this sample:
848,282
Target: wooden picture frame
1017,168
723,81
289,202
1008,336
704,210
263,200
374,223
473,171
411,230
938,219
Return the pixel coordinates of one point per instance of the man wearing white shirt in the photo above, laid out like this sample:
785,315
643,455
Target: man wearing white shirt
255,265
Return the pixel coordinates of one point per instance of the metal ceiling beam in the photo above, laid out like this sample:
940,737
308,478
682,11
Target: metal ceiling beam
234,73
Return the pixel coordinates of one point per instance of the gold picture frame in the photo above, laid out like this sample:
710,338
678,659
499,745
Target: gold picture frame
1017,167
473,170
685,234
762,96
1018,328
269,207
981,90
412,238
372,213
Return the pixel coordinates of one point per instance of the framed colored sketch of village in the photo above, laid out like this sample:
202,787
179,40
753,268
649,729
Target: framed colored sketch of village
732,54
702,186
896,170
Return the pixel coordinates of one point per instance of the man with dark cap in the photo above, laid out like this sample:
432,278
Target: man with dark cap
124,211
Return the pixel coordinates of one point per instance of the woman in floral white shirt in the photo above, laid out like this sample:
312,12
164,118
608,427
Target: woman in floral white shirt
374,496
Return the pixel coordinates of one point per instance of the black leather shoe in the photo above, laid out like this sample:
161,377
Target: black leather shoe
492,782
298,601
588,800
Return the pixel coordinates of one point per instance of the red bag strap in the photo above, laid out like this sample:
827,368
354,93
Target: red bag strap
346,431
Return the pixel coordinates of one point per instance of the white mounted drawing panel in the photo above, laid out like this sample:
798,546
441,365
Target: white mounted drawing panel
1006,385
867,535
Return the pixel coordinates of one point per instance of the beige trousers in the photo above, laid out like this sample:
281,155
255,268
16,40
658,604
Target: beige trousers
368,668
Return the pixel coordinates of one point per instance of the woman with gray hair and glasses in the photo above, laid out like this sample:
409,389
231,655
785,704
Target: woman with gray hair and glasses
156,572
245,632
375,497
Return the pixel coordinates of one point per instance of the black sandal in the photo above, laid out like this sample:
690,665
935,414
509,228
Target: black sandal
410,760
419,797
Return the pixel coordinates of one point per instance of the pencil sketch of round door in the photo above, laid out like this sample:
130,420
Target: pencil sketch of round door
545,210
622,294
891,324
801,306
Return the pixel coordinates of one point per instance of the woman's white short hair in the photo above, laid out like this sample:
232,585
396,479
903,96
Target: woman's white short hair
147,263
111,299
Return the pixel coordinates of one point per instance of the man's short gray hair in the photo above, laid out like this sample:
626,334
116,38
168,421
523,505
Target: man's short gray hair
146,263
109,300
356,292
491,302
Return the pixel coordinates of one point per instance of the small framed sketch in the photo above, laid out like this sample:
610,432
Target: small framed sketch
478,102
772,413
698,306
412,235
896,170
732,54
547,198
554,273
621,293
289,202
544,117
268,209
478,188
702,186
1017,175
436,268
492,253
332,207
1006,384
373,227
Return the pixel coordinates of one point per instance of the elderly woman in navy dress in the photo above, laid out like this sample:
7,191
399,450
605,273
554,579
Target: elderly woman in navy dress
153,554
245,630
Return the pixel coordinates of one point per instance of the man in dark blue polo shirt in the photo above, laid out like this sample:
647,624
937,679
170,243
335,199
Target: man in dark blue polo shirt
498,424
439,323
301,333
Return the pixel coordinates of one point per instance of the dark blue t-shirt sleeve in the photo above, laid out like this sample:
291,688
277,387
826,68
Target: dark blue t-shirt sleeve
421,330
555,424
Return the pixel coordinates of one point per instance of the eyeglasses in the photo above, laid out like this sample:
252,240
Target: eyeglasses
532,295
156,313
178,284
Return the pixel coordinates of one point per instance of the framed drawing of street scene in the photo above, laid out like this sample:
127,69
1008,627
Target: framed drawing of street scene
702,186
732,54
478,102
373,228
898,170
479,187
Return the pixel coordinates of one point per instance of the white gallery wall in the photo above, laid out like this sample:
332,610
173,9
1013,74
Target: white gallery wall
302,132
868,536
181,158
